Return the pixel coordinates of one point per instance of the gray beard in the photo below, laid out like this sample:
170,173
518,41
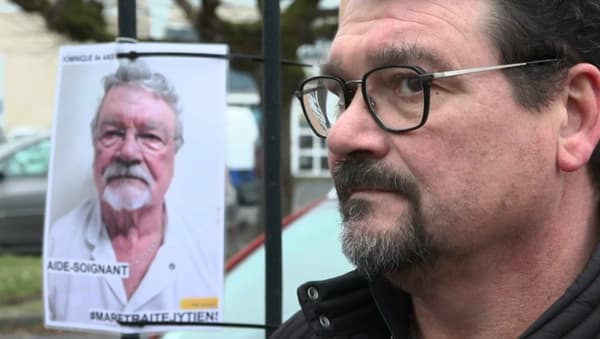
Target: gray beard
392,248
126,197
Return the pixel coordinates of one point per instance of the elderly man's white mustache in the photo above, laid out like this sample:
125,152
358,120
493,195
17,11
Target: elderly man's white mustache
126,196
117,169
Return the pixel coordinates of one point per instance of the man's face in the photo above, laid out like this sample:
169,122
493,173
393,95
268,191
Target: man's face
476,177
134,148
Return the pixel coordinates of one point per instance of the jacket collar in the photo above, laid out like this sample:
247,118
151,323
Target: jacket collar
351,305
345,306
575,314
394,305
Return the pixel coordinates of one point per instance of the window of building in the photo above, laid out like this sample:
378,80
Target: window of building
308,152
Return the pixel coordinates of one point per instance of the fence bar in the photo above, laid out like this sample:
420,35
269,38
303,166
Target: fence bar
127,19
271,144
127,29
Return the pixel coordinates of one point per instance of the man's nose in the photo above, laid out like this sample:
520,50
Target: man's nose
129,149
355,130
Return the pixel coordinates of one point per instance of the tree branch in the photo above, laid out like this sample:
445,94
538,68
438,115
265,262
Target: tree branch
188,9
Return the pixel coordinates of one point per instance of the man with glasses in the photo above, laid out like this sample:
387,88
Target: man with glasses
133,255
462,144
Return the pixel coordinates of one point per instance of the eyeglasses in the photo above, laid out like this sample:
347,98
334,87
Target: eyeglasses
397,96
154,140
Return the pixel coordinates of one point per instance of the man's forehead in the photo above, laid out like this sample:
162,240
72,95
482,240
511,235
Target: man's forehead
134,94
433,34
348,6
145,116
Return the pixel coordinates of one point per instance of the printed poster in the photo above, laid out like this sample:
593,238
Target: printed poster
134,229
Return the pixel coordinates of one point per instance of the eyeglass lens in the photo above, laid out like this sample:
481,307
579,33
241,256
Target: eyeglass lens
323,101
394,96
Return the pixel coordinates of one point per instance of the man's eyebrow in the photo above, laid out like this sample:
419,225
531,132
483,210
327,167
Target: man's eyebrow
408,55
150,125
394,55
147,125
110,122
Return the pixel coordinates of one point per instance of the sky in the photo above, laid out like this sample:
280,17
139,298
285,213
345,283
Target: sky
7,7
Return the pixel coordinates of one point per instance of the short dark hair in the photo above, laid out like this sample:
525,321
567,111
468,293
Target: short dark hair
525,30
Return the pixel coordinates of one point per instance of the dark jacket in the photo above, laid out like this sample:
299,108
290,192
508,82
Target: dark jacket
352,307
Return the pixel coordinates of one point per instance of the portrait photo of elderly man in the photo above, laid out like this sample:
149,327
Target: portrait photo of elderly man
125,254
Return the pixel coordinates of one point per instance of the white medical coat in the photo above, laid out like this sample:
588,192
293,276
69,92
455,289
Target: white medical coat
179,270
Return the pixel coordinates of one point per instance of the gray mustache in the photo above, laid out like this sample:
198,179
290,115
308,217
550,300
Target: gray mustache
119,170
355,173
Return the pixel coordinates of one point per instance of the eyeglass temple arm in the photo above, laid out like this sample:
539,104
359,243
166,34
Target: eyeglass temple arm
447,74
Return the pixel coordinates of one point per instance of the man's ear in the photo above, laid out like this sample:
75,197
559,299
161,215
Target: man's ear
580,128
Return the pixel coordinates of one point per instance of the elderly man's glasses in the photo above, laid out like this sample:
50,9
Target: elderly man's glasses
396,96
154,140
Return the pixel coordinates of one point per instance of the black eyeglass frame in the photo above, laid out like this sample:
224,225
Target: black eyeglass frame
424,77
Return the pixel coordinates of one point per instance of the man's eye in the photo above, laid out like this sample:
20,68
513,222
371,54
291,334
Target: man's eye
151,137
408,85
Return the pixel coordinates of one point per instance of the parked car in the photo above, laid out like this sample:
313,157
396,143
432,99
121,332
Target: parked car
23,181
311,250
